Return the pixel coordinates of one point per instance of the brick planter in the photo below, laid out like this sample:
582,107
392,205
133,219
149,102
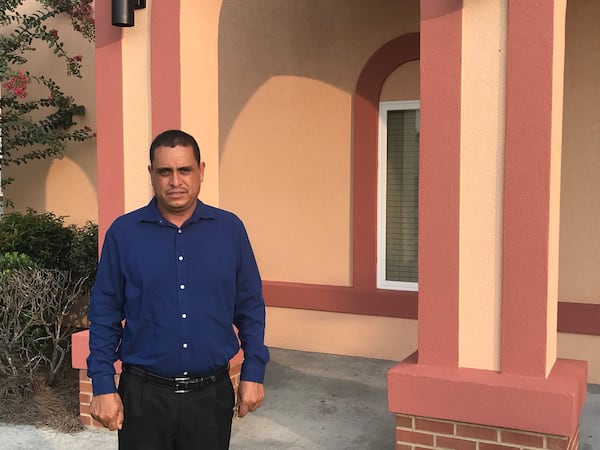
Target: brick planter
421,433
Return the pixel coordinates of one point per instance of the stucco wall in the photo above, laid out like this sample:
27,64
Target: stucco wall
579,262
580,199
65,186
287,72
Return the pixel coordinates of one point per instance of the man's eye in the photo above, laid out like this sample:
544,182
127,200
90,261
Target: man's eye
163,172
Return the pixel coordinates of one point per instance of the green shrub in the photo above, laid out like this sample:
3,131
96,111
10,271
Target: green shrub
49,243
83,259
13,260
43,237
46,267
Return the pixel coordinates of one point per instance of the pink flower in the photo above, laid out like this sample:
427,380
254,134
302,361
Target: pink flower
17,84
20,92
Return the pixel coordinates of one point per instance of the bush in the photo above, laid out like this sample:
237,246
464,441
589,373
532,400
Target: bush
45,268
49,243
34,304
42,237
83,258
14,260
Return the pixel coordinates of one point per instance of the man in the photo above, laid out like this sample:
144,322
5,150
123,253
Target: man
173,279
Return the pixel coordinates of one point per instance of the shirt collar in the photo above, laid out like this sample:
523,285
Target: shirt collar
151,212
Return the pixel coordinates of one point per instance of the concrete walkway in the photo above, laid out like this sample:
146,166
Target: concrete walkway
314,401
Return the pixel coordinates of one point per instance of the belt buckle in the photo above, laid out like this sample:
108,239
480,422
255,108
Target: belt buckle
182,385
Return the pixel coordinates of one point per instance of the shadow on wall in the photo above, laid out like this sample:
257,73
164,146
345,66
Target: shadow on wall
326,41
65,186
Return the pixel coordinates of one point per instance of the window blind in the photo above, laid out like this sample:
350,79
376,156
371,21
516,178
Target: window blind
402,195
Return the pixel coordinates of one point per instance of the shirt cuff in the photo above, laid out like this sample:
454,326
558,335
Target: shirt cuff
252,372
104,384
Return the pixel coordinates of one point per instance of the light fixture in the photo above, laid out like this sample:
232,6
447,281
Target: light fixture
122,11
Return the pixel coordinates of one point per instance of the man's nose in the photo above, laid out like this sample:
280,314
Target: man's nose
175,179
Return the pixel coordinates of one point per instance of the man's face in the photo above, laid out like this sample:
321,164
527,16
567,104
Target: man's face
176,179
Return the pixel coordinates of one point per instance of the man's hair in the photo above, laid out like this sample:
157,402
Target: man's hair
173,138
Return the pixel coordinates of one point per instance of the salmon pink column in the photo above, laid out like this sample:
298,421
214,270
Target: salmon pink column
439,182
532,185
109,123
488,244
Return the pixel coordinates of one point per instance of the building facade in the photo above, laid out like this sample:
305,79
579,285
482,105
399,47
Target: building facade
417,178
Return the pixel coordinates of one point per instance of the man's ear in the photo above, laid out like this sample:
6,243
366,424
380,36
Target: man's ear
150,169
201,166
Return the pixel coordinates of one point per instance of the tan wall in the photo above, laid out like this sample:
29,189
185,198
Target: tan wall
481,182
402,84
65,186
579,261
199,86
583,347
287,72
342,334
351,334
580,200
137,117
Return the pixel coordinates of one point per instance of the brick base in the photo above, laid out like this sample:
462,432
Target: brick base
421,433
85,392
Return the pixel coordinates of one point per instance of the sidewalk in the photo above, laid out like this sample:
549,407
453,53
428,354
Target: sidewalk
313,401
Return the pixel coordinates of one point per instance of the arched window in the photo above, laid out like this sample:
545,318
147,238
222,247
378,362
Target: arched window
366,133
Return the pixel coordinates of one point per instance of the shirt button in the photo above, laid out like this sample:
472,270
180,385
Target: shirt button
184,345
182,286
184,316
185,373
180,258
179,231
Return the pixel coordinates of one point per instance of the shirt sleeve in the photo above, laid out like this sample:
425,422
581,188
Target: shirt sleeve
106,313
250,314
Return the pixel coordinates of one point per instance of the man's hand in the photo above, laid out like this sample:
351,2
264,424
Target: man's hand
108,410
250,397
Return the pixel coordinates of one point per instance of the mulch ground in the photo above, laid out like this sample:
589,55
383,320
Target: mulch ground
54,406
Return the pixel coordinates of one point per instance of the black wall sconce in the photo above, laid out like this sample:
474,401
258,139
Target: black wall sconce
122,11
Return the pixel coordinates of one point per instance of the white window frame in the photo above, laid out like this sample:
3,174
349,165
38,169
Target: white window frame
384,107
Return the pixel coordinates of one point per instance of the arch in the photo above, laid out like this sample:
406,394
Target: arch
384,61
362,297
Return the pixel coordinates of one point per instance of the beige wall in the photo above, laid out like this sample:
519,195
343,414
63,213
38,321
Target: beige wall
580,200
402,84
579,261
137,107
483,115
65,186
200,85
342,334
287,72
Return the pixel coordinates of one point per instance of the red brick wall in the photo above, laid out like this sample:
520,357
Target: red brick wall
420,433
85,397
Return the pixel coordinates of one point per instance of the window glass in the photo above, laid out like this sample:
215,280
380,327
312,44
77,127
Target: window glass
399,195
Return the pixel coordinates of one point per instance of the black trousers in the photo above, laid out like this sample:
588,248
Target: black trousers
156,418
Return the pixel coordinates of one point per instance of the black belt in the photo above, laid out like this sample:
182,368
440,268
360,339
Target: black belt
180,385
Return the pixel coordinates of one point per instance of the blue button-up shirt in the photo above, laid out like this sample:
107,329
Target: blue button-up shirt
179,292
